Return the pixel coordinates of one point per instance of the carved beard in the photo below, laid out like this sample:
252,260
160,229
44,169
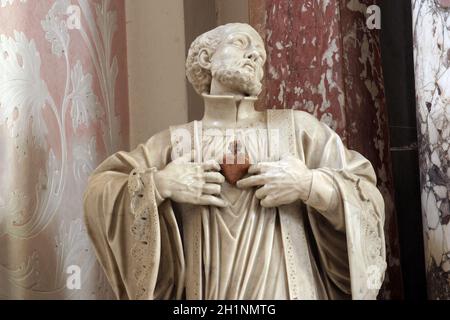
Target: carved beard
238,78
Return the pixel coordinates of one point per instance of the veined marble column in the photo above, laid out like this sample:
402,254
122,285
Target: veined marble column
431,23
323,59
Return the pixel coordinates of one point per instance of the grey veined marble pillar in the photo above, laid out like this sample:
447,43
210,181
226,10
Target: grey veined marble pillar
431,26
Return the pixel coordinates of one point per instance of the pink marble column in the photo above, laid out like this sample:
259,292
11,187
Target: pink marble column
323,59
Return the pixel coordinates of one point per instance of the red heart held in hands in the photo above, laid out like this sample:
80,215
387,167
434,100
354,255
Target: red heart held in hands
233,168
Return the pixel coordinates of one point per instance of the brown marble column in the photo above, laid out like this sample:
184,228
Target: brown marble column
323,59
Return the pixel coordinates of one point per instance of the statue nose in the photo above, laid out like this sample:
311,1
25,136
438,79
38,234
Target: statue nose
252,55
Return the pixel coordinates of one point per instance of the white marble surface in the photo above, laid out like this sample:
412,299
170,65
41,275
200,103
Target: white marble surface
431,23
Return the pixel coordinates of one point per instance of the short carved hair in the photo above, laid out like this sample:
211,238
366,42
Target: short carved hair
199,77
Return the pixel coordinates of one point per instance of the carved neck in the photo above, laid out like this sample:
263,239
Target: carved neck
226,111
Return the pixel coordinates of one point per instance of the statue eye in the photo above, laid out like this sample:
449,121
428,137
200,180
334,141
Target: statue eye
240,42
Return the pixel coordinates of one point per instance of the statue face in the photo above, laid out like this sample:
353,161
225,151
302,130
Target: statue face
238,62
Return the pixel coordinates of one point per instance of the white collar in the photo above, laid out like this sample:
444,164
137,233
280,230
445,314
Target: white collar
225,111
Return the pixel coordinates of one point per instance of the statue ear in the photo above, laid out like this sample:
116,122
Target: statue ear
204,58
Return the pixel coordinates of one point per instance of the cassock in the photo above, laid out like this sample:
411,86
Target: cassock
329,247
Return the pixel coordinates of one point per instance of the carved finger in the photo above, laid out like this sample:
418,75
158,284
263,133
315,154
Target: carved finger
253,181
208,200
211,189
214,177
259,168
269,202
211,165
263,192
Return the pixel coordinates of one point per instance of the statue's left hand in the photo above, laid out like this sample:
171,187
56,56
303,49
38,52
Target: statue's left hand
281,183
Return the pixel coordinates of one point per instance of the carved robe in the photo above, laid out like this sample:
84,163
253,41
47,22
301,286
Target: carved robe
331,247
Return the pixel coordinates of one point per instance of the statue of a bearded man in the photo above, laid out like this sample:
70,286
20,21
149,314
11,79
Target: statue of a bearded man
242,204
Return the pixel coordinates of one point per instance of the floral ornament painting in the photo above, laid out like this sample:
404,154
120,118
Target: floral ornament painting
63,109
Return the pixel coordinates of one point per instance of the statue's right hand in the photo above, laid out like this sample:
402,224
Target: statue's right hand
194,183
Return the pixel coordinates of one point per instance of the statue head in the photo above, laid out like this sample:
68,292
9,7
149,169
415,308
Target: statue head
231,55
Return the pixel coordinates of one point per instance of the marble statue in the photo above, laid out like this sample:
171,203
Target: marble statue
242,204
